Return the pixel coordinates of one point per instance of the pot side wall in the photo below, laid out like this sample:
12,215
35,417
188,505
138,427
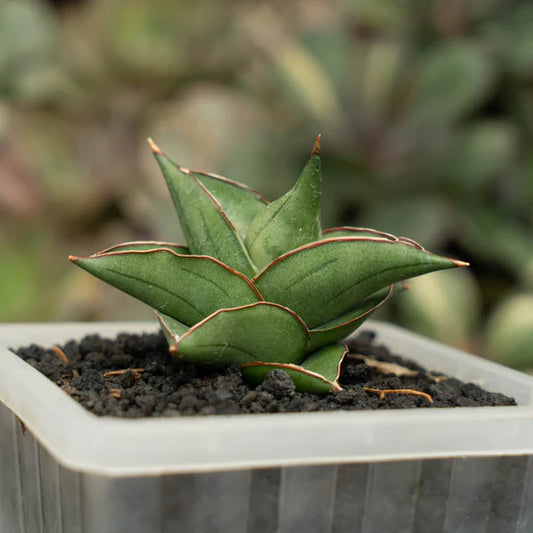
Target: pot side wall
482,494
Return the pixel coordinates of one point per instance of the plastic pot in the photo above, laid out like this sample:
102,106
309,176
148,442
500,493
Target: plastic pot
63,469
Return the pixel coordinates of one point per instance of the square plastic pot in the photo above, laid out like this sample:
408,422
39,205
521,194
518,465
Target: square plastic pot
63,469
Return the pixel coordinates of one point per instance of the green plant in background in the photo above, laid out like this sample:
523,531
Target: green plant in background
261,284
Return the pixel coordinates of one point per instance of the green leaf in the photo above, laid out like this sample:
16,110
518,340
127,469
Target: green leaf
240,203
185,287
259,332
291,221
319,373
146,245
172,329
434,101
510,332
420,214
446,307
342,326
323,280
206,227
327,361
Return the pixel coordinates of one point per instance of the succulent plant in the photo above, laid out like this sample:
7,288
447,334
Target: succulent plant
261,284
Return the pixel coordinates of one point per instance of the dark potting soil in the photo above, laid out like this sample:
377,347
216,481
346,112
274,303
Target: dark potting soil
134,376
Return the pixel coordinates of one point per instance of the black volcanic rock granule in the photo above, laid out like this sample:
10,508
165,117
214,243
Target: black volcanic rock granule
151,383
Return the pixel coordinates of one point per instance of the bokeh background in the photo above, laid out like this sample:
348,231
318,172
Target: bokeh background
425,110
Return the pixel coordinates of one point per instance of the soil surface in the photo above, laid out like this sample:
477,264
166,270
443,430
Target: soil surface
134,376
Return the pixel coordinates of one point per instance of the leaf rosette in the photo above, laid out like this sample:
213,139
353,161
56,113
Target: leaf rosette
260,283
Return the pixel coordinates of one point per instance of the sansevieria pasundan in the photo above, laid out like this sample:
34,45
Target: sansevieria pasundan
260,283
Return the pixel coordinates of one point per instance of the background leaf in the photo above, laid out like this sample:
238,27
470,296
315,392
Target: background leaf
445,306
510,337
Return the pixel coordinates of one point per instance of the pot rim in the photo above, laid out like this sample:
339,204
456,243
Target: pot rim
85,442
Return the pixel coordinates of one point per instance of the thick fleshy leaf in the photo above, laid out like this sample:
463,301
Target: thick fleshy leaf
146,245
342,326
261,331
319,373
240,203
172,329
185,287
291,221
206,227
323,280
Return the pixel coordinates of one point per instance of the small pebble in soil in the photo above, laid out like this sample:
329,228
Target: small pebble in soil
151,383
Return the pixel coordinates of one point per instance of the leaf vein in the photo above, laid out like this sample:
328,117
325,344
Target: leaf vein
160,287
362,280
312,272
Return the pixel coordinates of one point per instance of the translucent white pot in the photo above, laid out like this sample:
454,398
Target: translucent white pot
63,469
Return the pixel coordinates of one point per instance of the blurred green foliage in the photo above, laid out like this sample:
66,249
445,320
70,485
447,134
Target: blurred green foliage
426,112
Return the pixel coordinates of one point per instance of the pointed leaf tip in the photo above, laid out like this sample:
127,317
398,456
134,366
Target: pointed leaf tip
154,147
316,147
172,329
290,221
72,258
459,263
